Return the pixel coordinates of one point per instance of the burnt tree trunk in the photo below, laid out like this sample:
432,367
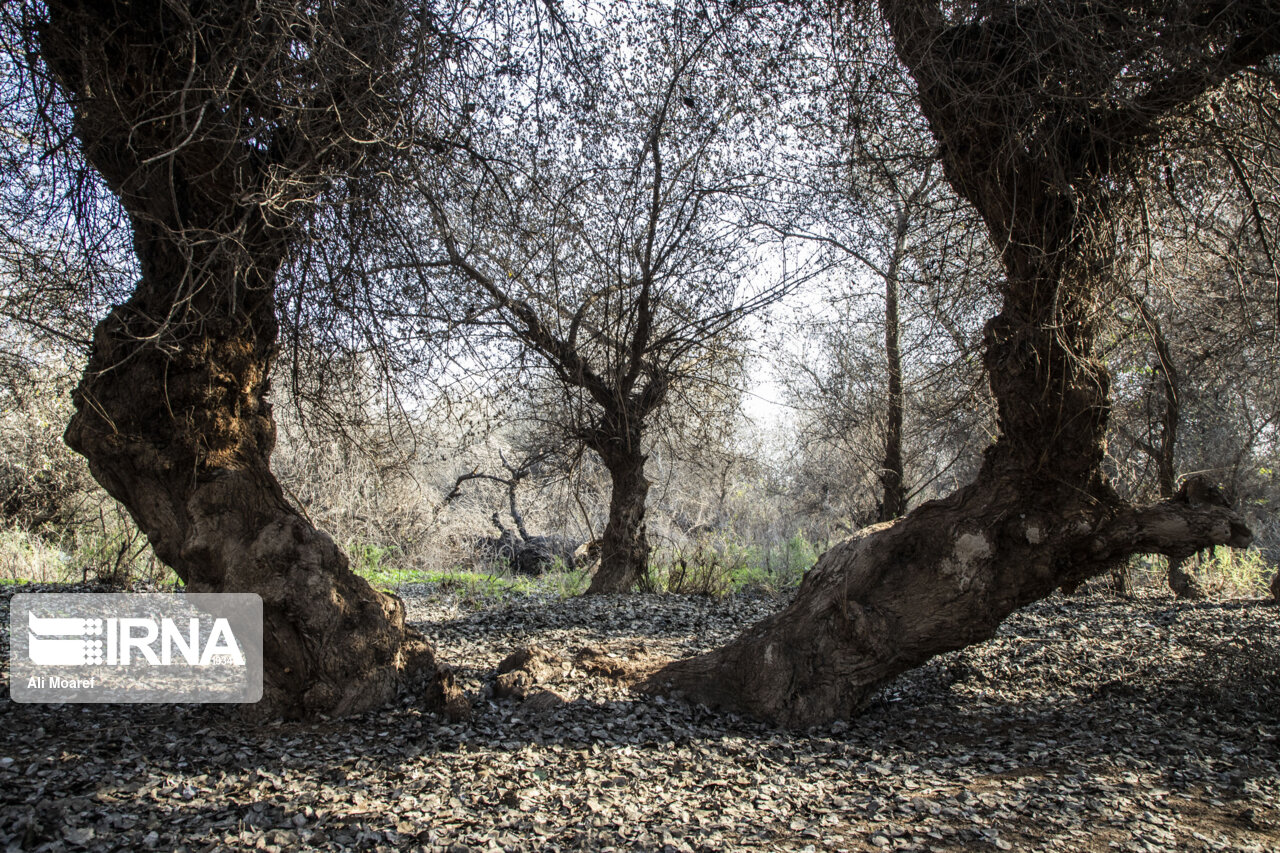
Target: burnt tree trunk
624,548
1040,513
172,412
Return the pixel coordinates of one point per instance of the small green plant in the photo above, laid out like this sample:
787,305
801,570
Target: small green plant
705,568
368,559
702,572
754,578
562,580
800,555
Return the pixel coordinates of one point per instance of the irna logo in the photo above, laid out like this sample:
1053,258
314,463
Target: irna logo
70,641
135,647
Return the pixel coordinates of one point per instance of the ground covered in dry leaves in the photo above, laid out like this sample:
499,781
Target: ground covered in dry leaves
1089,723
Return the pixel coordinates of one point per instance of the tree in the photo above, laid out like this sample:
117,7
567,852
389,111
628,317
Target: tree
219,127
1041,113
592,222
1200,305
869,194
1164,446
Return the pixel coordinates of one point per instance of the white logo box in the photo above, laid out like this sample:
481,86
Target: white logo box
127,647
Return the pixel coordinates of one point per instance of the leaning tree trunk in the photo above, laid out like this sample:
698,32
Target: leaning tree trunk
172,412
624,548
180,432
1040,514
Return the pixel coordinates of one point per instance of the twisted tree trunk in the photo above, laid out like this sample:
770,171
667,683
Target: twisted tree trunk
945,576
1031,134
624,548
181,434
172,412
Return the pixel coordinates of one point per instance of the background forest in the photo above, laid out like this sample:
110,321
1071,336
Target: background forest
774,300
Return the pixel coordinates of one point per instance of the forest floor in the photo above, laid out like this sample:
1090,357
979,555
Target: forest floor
1088,723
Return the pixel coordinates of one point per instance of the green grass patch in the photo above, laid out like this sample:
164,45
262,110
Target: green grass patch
379,565
718,565
1236,572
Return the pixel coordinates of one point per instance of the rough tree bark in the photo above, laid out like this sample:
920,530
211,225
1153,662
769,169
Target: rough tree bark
172,412
1032,131
624,548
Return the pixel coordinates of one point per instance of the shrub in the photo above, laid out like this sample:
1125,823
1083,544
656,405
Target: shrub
1222,572
1235,573
701,570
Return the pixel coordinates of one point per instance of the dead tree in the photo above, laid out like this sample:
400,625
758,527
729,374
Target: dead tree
217,126
526,554
1039,111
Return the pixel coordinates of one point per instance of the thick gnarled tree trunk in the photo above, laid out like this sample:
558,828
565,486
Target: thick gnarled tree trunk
1031,134
1039,516
181,433
624,548
172,412
899,593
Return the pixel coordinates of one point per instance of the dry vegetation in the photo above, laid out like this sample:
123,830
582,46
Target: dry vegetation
720,522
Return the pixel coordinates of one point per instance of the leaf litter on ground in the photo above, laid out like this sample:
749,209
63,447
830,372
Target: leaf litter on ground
1087,723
